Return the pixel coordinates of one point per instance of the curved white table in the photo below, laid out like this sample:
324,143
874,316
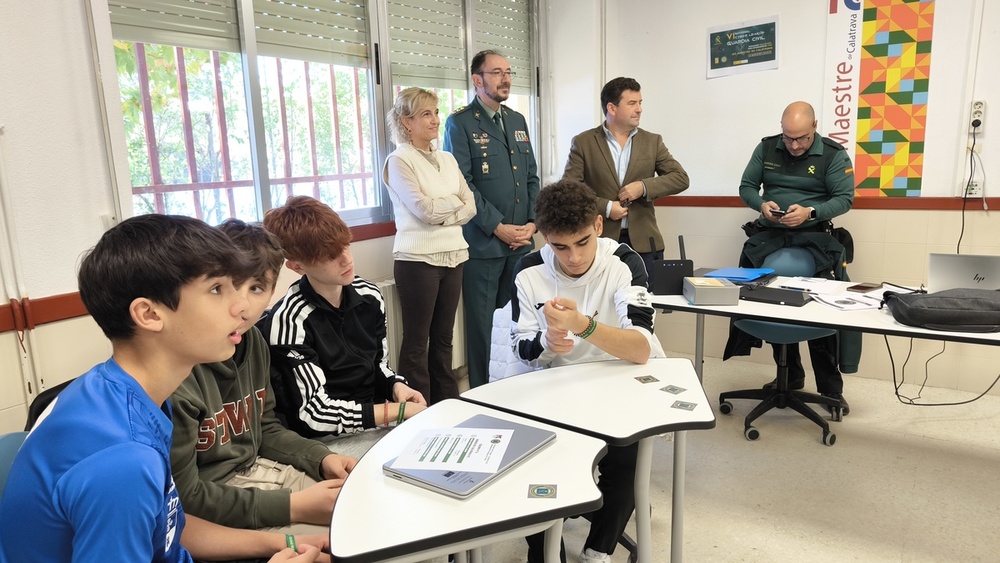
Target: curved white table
378,518
604,400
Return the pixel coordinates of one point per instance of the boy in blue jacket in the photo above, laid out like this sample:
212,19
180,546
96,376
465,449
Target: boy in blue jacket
92,481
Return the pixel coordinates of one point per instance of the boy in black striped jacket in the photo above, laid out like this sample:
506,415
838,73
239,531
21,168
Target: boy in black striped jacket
327,336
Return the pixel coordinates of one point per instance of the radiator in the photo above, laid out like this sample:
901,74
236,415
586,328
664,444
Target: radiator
394,322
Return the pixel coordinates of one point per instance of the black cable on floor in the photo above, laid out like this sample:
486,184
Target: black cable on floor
912,401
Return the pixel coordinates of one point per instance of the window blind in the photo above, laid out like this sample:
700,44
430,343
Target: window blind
202,24
427,42
505,26
324,31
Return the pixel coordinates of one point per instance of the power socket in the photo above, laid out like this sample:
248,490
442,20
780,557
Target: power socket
974,188
978,112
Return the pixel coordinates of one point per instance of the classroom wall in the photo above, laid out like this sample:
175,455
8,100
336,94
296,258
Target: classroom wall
712,125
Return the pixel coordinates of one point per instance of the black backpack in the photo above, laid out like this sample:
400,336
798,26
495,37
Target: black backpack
956,310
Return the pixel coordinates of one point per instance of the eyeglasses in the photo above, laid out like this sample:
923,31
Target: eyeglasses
800,140
497,73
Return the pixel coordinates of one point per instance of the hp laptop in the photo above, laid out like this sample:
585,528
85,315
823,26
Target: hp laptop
962,271
525,441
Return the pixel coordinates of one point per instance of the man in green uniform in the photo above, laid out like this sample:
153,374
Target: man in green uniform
490,142
808,180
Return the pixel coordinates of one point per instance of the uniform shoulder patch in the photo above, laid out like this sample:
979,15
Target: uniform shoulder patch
770,137
460,110
833,144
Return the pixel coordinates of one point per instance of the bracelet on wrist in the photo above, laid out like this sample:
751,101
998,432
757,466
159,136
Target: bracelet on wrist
385,414
591,327
402,411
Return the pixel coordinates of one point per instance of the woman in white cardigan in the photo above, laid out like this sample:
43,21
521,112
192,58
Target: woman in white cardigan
431,202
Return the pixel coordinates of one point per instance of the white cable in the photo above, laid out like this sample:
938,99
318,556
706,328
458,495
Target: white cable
13,280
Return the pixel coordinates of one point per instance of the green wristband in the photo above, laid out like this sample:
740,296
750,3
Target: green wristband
402,411
591,327
290,542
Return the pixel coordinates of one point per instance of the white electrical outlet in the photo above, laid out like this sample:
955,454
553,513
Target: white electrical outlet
974,188
978,112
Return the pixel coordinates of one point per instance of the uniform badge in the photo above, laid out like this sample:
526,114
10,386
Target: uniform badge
521,136
486,167
812,170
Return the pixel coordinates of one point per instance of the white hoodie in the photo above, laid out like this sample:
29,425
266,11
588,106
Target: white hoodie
613,290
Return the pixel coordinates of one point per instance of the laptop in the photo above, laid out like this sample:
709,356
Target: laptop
962,271
525,441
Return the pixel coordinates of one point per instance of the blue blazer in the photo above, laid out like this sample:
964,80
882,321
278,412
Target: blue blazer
500,170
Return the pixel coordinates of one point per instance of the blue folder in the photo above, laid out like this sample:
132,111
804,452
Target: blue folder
740,274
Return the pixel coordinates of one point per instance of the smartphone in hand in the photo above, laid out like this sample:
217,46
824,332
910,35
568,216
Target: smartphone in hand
778,213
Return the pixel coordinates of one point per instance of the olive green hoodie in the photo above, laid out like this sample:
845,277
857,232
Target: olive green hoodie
223,420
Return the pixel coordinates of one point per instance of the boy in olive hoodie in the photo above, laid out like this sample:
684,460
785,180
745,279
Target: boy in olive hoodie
232,460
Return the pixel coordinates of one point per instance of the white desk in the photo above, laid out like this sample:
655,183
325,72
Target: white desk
812,314
378,518
604,400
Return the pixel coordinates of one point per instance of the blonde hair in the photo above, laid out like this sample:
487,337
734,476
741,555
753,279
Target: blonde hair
406,105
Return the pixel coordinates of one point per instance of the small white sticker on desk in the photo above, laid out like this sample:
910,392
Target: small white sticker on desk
479,450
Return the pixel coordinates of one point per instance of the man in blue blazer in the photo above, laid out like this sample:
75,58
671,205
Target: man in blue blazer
490,142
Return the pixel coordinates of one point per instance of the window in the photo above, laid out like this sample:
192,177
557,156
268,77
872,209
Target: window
186,131
227,113
428,47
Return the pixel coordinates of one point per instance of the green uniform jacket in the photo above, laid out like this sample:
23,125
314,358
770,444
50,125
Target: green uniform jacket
822,178
223,419
500,170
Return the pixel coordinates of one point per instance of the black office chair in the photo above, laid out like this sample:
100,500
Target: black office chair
789,261
41,402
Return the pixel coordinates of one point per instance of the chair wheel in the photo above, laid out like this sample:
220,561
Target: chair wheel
725,407
829,438
751,433
837,414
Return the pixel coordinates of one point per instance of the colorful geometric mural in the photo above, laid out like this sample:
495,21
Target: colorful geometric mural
892,107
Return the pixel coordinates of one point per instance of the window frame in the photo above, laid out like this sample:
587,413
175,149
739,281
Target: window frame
375,220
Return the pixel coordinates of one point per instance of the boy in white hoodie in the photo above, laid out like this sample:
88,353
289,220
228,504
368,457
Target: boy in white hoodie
583,298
